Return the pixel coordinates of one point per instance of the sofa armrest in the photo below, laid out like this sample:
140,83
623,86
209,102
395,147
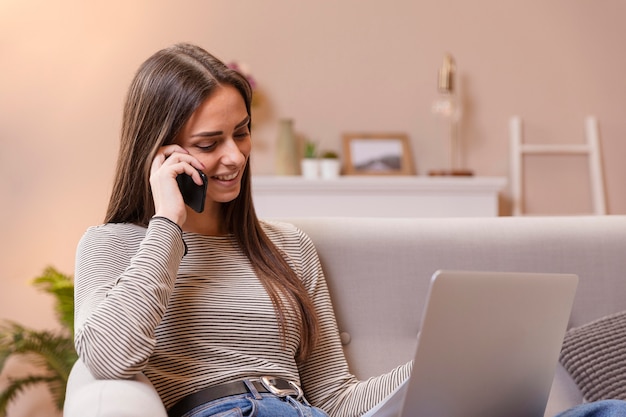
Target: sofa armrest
87,396
564,394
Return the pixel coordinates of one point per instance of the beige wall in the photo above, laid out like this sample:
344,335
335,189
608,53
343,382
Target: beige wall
348,65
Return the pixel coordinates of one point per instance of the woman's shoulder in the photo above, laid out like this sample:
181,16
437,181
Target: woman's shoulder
109,241
109,233
281,230
116,229
286,235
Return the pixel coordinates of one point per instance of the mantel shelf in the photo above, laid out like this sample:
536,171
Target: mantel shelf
377,196
379,184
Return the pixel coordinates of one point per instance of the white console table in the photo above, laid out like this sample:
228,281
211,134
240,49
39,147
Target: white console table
377,196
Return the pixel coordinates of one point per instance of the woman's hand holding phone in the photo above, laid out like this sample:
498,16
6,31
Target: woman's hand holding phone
193,194
170,162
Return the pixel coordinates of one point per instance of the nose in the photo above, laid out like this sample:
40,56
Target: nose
231,154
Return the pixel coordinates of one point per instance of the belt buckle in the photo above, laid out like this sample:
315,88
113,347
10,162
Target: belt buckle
295,390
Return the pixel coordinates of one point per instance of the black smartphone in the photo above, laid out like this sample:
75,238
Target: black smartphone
193,194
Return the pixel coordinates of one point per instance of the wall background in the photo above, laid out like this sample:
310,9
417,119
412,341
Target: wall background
348,65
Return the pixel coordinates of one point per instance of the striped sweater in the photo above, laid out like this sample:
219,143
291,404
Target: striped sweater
189,321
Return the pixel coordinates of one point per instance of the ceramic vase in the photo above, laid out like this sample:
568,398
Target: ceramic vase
310,168
286,149
329,168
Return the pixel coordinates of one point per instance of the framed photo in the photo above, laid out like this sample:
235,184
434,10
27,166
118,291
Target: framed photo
377,154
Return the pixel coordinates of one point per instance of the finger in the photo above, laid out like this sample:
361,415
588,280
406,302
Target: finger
163,153
185,164
175,153
174,168
169,150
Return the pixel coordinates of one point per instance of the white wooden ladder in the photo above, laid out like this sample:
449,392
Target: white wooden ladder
591,148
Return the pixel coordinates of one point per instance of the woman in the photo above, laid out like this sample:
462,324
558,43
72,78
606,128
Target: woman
220,310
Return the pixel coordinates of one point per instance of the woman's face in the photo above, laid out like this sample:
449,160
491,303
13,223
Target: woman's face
217,135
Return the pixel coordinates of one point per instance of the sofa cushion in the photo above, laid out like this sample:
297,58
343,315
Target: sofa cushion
88,396
595,356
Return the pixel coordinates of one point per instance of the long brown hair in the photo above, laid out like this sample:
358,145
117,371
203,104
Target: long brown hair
166,90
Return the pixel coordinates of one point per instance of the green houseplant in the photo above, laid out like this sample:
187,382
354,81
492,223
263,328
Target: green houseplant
309,165
310,150
330,155
51,351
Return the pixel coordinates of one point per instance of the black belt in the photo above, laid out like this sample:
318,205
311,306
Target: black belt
276,386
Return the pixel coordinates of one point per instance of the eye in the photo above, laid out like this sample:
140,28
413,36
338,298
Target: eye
206,147
242,134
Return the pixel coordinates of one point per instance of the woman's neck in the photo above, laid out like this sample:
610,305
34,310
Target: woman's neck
206,223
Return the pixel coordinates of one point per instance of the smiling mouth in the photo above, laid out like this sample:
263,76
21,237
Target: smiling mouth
228,177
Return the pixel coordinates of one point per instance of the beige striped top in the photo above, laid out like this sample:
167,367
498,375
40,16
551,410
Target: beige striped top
198,319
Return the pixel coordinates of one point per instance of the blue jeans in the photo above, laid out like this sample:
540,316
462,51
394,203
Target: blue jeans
605,408
263,405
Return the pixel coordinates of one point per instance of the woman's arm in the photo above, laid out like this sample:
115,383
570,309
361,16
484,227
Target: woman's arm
325,376
124,277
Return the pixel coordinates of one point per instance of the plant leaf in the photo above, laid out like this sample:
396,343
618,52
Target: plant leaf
17,386
61,287
52,351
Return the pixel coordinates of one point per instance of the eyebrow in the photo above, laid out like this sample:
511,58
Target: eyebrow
219,132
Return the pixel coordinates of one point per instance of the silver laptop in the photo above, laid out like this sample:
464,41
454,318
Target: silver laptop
488,346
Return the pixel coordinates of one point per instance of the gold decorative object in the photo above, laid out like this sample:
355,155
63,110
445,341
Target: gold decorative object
448,108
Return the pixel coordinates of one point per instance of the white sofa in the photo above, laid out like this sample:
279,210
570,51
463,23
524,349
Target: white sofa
379,270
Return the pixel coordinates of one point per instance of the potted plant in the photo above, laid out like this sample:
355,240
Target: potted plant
329,165
52,351
309,164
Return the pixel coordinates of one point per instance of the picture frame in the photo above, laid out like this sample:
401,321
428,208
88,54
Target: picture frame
377,154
